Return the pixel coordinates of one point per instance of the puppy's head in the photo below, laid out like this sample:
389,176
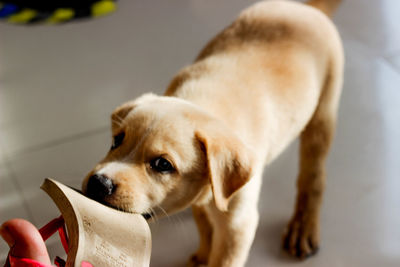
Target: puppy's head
166,154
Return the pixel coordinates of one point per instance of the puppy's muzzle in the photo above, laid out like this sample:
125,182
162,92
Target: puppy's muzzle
99,186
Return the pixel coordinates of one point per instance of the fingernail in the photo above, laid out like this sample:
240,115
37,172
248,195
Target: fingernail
5,234
86,264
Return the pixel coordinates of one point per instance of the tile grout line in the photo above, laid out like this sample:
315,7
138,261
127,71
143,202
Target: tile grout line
390,64
60,141
346,36
14,180
394,52
6,162
384,57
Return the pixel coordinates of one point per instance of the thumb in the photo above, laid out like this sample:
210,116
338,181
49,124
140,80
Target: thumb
24,240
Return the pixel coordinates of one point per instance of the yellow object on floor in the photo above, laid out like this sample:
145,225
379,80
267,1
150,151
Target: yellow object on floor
103,7
61,15
23,16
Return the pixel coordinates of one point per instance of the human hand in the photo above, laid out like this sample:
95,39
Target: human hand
24,241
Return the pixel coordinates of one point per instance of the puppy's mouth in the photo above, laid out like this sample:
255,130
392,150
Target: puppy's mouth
148,216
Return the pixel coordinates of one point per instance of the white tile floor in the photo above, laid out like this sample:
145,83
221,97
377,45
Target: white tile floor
59,84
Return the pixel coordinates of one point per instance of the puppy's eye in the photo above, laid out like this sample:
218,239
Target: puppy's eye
117,140
162,165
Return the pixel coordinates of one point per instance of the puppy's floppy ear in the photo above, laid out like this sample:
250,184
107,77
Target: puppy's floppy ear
120,113
229,163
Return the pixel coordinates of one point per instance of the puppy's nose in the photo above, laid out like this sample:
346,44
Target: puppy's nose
99,186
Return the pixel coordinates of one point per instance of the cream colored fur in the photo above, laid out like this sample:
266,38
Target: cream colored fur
272,75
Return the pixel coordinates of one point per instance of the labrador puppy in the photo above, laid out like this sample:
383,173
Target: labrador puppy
275,73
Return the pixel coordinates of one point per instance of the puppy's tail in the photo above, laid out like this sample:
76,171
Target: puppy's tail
326,6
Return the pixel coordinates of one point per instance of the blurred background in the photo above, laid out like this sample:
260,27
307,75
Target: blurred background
59,84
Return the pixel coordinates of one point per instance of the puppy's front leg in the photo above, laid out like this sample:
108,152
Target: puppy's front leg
233,234
205,234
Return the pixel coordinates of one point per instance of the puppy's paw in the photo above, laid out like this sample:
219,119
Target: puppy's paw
301,237
197,261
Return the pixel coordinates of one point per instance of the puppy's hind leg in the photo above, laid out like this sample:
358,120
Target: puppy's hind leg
301,238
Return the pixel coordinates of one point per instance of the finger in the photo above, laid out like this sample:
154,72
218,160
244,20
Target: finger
24,240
